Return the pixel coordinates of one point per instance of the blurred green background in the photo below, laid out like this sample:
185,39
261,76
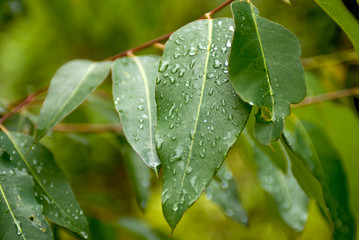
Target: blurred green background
38,36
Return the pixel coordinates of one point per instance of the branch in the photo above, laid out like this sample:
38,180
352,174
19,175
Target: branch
87,128
327,96
166,36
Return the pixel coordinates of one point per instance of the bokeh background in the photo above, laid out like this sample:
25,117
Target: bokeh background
38,36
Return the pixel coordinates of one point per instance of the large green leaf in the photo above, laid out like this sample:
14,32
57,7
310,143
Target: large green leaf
20,214
51,186
337,10
291,201
70,86
321,158
223,191
265,69
199,114
134,96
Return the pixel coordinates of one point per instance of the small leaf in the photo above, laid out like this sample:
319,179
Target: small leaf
321,158
134,97
223,191
344,18
199,114
265,69
70,86
51,187
20,214
291,201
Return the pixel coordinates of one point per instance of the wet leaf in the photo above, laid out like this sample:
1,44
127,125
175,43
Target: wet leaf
320,157
51,187
291,201
70,86
134,97
344,18
199,114
223,191
265,69
20,214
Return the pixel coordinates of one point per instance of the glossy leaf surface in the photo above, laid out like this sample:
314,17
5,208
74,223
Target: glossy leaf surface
51,187
199,114
69,87
134,97
292,203
223,191
321,158
265,69
20,214
346,20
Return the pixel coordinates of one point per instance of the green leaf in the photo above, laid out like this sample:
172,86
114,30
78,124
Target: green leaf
291,201
51,186
341,15
223,191
20,214
70,86
321,158
265,69
134,96
199,114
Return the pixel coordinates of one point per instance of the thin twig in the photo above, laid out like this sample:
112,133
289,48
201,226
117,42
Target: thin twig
327,96
87,128
166,36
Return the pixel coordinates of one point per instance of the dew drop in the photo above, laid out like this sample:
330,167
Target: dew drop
164,66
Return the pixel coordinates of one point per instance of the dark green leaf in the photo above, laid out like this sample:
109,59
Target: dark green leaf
134,96
337,10
51,186
321,158
223,191
70,86
199,114
291,201
265,69
20,214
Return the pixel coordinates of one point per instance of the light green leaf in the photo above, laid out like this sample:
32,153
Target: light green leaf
70,86
134,96
199,114
291,201
223,191
51,187
265,69
321,158
20,214
341,15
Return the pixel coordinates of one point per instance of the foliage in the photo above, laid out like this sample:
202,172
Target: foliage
222,89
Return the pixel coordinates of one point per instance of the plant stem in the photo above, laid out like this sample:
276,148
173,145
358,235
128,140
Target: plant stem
88,128
166,36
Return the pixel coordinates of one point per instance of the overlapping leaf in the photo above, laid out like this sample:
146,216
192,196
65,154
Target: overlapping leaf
265,69
199,114
70,86
134,96
20,214
320,157
291,201
51,187
223,191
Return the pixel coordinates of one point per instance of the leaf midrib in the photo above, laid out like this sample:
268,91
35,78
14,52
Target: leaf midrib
210,29
10,210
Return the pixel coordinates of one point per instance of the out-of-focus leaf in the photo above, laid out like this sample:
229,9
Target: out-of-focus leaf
265,69
134,97
343,17
70,86
223,191
51,186
321,158
199,114
291,201
20,214
139,175
101,230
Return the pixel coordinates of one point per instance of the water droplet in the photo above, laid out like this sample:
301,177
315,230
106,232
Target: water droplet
217,64
177,55
175,69
189,170
202,155
191,64
140,120
178,42
211,91
181,72
172,80
85,235
140,107
229,212
192,51
223,102
229,43
200,143
230,116
214,144
231,28
164,66
251,103
173,138
141,126
175,207
171,126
